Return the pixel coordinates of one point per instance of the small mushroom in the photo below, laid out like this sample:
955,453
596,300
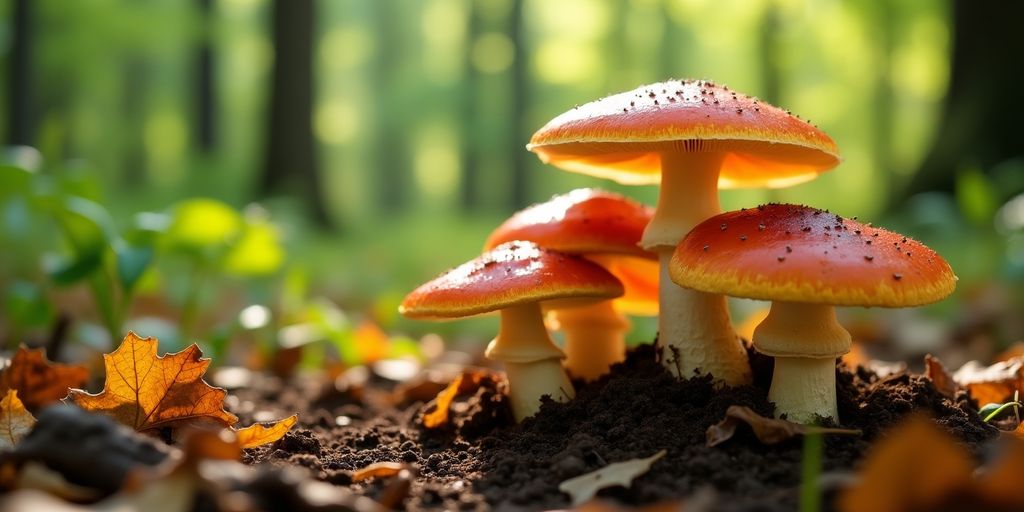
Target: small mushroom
691,148
605,228
801,331
515,278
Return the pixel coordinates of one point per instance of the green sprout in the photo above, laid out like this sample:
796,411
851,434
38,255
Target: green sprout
991,411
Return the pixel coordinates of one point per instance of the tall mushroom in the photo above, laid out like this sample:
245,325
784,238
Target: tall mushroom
514,278
605,228
692,136
806,261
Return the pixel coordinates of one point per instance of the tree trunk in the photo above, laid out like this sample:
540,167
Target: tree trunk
136,83
768,37
392,179
291,161
470,139
519,190
982,108
205,93
20,122
882,110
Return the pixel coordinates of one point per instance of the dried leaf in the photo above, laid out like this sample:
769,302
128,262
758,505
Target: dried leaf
15,420
258,435
371,342
378,470
940,376
466,382
38,476
584,487
1000,486
992,384
1019,431
911,469
38,381
1015,350
146,392
767,430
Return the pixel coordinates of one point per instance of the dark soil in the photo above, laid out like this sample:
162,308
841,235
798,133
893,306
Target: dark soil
483,461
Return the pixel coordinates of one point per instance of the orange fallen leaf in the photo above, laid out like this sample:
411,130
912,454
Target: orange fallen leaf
258,435
146,392
15,420
464,383
378,470
1019,431
940,376
38,381
910,469
919,467
371,342
767,430
992,384
1001,484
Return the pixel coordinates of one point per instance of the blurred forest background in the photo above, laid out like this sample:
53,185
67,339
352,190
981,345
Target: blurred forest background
285,170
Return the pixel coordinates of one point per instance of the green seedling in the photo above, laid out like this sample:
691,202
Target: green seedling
992,411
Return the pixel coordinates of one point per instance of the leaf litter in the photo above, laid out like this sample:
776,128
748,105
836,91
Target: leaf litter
619,474
767,430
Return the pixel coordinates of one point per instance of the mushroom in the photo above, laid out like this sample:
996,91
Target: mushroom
605,228
514,278
806,261
692,136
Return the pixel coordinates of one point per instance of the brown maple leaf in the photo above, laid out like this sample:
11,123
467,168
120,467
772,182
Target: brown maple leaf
38,381
147,392
15,420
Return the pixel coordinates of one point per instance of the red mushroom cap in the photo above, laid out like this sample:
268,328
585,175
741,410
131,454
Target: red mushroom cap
584,221
511,274
792,253
603,226
620,137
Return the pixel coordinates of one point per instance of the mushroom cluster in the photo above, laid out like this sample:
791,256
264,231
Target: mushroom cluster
588,258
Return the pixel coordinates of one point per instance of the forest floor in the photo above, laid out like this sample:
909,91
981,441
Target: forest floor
479,459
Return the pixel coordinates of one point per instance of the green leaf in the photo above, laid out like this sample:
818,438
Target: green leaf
67,271
976,196
14,181
202,225
132,262
88,230
27,305
257,253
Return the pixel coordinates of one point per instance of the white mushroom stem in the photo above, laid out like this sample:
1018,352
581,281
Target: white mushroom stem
594,338
694,330
805,340
532,361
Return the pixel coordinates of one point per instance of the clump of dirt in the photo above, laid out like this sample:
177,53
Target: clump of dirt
483,461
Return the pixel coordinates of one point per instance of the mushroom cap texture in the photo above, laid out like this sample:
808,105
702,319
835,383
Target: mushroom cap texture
603,226
621,136
510,274
583,221
791,253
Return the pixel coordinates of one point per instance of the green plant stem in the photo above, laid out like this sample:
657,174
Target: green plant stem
190,309
100,286
1001,408
810,494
